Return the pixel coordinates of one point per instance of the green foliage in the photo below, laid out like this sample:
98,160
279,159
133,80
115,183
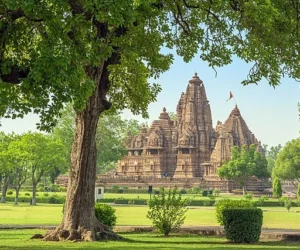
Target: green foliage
115,189
167,210
244,163
27,194
261,200
286,202
272,156
10,192
248,196
277,190
243,225
298,191
228,204
196,190
106,214
216,192
287,165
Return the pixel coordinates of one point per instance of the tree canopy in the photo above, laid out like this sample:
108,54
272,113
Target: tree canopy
287,165
244,164
53,47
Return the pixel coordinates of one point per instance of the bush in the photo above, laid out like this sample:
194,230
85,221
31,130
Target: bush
242,224
10,192
248,196
106,214
216,192
167,210
196,190
46,194
227,204
27,194
261,200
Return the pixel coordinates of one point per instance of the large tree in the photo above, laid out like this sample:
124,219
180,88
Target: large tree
287,166
244,163
42,153
5,163
99,54
111,134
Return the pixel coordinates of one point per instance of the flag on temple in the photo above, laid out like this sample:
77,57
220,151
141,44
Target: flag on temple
230,96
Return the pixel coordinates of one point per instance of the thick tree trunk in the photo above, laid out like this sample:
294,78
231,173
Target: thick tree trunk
33,200
79,221
4,189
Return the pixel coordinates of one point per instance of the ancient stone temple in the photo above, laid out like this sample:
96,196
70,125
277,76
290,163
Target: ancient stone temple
188,147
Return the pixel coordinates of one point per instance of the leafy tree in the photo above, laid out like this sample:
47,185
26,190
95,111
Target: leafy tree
96,54
298,191
42,153
244,164
17,159
167,210
287,165
277,190
5,166
272,156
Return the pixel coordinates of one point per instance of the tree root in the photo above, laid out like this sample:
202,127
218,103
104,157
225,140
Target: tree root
82,234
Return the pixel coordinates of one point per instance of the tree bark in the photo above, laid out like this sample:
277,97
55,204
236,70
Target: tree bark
4,189
17,196
33,200
79,221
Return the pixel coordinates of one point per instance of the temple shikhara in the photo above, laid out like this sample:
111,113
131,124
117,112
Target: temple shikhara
189,146
185,151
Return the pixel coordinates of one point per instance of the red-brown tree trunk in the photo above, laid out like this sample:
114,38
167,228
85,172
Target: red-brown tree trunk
79,221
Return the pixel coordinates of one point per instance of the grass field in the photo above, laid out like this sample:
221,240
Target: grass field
46,214
20,239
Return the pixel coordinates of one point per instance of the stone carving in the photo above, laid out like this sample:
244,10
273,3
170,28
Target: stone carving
188,147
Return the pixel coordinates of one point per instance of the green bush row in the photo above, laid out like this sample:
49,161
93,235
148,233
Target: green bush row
40,199
242,224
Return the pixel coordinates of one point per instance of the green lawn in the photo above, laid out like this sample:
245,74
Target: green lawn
20,239
47,214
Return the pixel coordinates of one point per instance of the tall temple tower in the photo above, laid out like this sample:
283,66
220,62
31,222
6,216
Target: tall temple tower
189,146
193,130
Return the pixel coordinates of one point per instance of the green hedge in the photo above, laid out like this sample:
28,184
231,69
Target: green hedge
243,224
39,199
130,201
221,205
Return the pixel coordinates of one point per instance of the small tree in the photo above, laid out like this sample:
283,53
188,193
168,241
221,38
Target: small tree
277,190
167,210
287,204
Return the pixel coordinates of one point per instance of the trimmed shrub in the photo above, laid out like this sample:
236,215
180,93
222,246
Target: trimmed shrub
242,225
27,194
46,194
10,192
106,214
228,204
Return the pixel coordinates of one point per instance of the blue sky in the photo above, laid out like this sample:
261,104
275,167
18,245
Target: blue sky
271,114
